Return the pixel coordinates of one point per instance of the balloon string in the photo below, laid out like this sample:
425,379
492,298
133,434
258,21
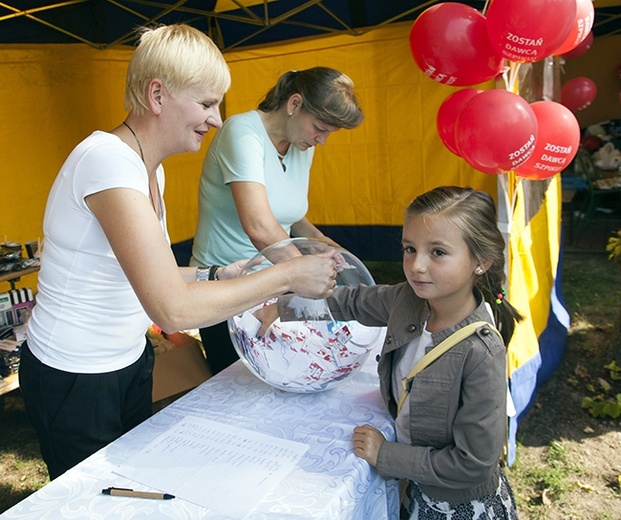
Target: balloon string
511,85
516,186
506,213
509,204
510,76
485,7
505,71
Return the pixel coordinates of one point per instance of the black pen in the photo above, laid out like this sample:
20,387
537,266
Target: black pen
124,492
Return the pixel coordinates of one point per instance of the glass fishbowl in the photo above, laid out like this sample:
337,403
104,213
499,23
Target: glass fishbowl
294,343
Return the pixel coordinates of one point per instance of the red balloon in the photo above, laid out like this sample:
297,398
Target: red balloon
496,131
529,30
583,23
557,141
584,46
449,43
447,116
578,93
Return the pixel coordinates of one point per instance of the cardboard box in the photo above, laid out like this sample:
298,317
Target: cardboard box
179,369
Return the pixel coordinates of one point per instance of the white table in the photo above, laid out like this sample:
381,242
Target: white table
329,483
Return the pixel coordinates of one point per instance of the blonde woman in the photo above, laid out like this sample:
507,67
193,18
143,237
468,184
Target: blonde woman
107,269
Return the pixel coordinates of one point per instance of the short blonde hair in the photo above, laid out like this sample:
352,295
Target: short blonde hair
178,55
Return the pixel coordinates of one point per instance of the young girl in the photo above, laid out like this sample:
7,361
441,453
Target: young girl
451,426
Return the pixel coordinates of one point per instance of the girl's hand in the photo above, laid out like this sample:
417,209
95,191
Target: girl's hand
367,443
266,315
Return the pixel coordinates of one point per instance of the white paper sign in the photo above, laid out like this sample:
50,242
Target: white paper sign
217,466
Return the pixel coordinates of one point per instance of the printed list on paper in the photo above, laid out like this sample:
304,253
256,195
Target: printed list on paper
217,466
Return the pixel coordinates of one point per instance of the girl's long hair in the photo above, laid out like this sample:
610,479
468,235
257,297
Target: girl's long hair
474,214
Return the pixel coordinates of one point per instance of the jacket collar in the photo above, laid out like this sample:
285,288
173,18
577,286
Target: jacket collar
412,313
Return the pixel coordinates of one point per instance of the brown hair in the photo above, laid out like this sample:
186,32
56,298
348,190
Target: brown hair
473,212
327,94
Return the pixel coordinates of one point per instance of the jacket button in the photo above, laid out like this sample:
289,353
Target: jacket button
411,327
388,340
485,332
377,358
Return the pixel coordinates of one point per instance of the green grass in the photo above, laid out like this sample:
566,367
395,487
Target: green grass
548,480
545,485
591,284
21,468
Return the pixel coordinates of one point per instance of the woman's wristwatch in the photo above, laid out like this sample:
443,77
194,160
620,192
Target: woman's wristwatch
207,272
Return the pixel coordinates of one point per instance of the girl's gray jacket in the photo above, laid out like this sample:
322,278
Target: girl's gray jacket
457,404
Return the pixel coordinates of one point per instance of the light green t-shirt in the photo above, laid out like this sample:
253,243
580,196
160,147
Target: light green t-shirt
242,151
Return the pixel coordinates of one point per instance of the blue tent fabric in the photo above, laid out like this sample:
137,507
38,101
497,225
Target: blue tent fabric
528,378
102,23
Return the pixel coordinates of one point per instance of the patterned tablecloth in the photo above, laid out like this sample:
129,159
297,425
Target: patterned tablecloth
329,483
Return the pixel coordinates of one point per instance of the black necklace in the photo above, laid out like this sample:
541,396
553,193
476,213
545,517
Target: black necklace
159,196
281,158
137,140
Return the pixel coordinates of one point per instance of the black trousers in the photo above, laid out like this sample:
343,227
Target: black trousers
74,414
218,347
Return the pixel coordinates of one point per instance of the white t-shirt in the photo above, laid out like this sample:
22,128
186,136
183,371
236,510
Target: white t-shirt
410,355
242,151
87,318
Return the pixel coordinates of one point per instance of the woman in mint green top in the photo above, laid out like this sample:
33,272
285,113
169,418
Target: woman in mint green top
254,184
243,153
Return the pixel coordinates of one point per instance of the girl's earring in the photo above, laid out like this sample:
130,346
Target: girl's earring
478,270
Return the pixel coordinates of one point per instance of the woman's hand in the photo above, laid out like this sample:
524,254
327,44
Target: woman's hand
231,270
367,443
311,276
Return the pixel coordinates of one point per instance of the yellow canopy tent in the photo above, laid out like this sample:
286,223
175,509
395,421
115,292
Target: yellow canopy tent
361,180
